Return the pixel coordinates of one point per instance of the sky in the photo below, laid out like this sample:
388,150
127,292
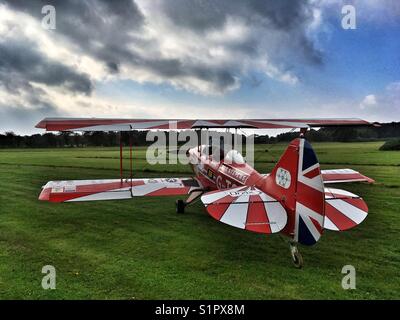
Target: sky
198,59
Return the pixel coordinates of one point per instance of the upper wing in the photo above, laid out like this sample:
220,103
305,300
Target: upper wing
98,124
246,208
344,175
112,189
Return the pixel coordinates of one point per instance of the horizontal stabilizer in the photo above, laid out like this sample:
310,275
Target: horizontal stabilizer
246,208
115,189
344,175
343,210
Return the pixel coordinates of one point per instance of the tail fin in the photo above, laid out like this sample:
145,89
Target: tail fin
296,180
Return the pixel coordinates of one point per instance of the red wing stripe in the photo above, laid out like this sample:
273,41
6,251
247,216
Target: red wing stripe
217,209
338,218
168,191
101,187
257,219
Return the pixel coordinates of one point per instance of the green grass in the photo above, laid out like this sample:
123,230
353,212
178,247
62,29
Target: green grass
141,249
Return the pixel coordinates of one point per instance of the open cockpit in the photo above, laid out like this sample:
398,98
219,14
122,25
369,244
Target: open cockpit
218,154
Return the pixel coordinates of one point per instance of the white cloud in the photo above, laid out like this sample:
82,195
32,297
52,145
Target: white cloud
383,106
368,101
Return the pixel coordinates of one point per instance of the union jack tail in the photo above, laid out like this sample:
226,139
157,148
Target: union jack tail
297,182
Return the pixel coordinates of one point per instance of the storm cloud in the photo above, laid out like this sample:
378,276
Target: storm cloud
21,63
201,46
134,35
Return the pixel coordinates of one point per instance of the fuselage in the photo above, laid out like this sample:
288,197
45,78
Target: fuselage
215,171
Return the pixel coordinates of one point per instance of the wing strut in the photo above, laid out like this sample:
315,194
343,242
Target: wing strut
130,157
121,168
120,157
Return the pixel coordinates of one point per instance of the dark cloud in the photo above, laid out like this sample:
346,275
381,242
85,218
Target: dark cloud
103,29
99,27
206,14
113,67
21,63
287,16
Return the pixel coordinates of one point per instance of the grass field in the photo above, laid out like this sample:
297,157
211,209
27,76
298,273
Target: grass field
141,249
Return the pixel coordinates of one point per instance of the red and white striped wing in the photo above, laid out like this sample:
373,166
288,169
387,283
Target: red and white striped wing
246,208
98,124
343,210
114,189
344,175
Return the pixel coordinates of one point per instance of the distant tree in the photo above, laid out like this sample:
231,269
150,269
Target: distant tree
49,140
10,139
345,134
65,138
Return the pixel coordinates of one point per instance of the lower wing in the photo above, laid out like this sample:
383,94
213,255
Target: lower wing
115,189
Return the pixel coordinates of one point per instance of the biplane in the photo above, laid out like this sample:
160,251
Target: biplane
295,199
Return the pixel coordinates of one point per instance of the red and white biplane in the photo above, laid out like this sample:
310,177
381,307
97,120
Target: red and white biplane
293,199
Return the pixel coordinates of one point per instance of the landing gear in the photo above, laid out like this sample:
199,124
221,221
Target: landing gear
296,256
180,206
193,197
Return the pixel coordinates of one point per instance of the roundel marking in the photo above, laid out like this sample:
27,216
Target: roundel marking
283,178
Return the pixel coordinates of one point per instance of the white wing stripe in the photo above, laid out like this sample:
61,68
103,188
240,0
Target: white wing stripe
210,198
236,214
276,215
341,192
108,195
328,224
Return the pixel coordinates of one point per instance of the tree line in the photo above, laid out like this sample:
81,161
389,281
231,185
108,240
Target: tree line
138,138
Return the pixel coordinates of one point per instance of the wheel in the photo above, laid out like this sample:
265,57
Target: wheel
296,256
297,260
180,206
